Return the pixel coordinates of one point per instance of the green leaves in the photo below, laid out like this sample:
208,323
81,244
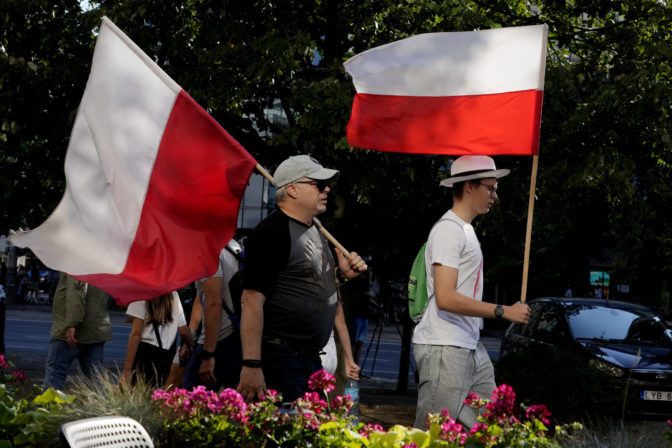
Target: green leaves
606,144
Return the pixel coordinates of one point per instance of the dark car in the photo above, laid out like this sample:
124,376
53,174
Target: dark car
591,355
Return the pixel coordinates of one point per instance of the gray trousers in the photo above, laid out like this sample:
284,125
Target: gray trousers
447,374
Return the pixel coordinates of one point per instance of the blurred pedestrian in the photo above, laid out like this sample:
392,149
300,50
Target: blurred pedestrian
3,273
216,361
80,328
359,295
568,291
153,338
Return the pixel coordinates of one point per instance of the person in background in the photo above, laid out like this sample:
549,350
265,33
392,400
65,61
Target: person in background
80,328
153,338
568,291
184,353
359,294
329,355
216,361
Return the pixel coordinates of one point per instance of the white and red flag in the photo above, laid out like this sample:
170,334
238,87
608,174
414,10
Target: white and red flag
477,92
153,182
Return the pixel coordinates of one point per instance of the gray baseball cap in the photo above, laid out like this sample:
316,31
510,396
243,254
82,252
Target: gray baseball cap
296,167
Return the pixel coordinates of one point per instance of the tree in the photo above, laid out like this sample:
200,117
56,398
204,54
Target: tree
42,77
604,176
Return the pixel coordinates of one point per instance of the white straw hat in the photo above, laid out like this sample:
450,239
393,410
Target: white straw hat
472,167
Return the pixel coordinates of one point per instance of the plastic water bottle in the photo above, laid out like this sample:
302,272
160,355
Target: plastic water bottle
352,389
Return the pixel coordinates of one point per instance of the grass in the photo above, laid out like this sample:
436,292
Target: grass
103,396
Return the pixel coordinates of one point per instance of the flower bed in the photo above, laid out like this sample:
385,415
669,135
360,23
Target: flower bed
203,418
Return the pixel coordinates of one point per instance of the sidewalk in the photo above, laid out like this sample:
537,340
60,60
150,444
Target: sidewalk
381,403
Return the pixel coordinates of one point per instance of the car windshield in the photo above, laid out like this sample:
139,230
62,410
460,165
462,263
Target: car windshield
613,324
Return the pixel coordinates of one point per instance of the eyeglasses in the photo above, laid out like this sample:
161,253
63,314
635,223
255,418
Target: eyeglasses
491,188
320,184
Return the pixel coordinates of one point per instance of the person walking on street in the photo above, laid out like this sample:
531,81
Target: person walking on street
289,301
153,338
451,361
80,328
216,361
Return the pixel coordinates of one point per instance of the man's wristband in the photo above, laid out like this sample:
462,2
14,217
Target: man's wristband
252,363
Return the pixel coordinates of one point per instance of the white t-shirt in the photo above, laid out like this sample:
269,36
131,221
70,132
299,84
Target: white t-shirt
168,331
228,266
452,243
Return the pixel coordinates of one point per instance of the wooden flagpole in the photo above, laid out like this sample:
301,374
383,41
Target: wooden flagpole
528,233
324,231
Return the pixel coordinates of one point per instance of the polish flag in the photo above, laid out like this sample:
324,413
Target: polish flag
153,183
477,92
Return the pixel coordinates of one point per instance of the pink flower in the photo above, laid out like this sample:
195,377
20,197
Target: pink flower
370,429
200,394
270,393
342,402
312,401
322,380
3,362
474,400
410,445
450,430
20,376
160,394
233,404
540,412
478,427
502,402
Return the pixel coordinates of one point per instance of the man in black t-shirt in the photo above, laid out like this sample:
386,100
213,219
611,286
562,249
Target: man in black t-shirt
290,299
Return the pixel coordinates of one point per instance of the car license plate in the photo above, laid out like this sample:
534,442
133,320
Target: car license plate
656,395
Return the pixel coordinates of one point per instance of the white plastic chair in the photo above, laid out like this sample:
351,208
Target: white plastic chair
108,432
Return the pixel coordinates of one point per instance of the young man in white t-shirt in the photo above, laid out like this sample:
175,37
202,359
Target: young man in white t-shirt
451,361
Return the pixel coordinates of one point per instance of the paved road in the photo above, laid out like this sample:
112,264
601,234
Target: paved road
380,354
27,339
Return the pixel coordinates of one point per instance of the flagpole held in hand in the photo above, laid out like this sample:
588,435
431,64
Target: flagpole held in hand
321,228
528,232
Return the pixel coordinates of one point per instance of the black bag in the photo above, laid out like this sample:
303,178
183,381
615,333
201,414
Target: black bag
153,362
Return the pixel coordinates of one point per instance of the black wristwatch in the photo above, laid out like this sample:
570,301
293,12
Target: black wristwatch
499,311
207,355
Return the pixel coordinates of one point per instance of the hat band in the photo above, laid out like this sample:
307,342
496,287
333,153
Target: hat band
469,173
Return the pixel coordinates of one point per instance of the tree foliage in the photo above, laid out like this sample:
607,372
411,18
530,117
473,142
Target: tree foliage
604,176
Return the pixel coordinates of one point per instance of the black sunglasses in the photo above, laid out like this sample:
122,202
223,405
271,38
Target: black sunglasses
320,184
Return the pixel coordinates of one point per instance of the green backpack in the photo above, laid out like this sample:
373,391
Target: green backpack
417,287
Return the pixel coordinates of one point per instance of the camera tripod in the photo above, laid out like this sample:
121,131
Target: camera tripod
387,312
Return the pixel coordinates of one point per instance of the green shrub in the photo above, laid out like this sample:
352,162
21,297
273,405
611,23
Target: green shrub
28,417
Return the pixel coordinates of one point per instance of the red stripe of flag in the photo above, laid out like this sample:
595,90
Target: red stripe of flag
493,124
190,210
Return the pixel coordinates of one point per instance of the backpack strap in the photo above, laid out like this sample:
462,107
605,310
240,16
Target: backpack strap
158,337
234,318
480,266
233,252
